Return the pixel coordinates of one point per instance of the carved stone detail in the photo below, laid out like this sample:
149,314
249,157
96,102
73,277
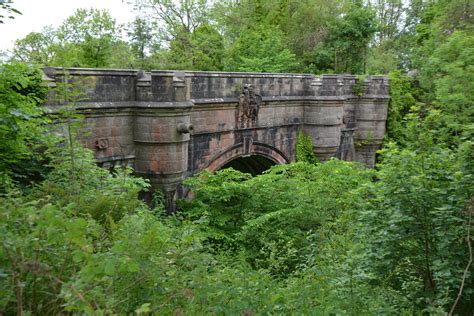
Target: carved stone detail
102,143
249,105
184,128
248,141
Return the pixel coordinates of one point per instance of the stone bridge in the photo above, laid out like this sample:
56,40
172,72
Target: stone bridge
169,125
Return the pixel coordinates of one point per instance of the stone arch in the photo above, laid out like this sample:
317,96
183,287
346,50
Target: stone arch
239,150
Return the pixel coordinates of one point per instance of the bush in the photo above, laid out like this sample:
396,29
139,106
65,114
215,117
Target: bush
270,217
416,221
21,120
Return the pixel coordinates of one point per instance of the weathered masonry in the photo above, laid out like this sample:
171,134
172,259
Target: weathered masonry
169,125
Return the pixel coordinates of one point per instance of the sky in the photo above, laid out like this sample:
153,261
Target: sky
37,14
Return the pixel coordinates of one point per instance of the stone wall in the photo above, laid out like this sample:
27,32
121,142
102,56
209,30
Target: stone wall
169,125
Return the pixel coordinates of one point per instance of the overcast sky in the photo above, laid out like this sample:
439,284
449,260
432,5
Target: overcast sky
40,13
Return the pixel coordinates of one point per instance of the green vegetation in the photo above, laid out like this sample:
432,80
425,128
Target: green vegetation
263,36
304,149
22,123
358,88
7,8
305,238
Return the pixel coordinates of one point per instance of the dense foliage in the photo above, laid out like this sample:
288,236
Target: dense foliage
304,149
304,238
22,122
265,36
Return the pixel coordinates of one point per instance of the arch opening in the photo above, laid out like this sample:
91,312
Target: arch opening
253,164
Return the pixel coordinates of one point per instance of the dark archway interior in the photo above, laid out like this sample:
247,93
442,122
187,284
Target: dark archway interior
253,164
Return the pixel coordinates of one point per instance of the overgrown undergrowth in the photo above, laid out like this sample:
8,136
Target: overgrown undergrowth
301,238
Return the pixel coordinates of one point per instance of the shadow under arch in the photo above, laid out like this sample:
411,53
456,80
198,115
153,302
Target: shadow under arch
256,159
272,156
253,164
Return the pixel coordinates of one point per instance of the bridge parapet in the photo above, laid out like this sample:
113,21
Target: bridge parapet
171,124
114,85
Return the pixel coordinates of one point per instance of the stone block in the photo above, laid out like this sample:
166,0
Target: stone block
369,110
323,115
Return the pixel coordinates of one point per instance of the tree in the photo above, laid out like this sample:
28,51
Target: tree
308,29
452,65
141,39
174,17
203,49
403,96
254,35
349,36
261,49
92,34
187,40
21,119
235,16
37,48
88,38
208,48
391,44
414,224
444,60
7,8
389,15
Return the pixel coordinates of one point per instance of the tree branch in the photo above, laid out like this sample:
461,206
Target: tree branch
469,246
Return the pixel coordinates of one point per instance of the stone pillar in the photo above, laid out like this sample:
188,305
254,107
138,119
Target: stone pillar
323,114
143,89
346,149
371,116
161,134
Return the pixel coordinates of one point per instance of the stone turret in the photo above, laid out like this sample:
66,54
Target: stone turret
161,135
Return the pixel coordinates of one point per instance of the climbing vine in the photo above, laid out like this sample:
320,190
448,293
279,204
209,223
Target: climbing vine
304,149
